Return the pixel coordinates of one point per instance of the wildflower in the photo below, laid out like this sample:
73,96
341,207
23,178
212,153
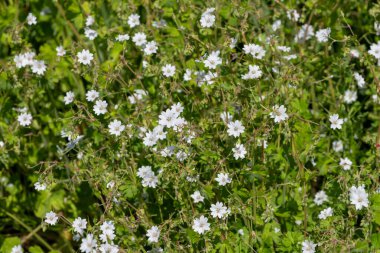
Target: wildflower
85,57
25,119
350,96
134,20
17,249
345,163
338,146
223,179
278,113
197,197
38,67
69,97
208,18
115,127
150,48
359,80
122,37
293,15
325,213
201,225
320,198
213,60
239,151
90,21
153,234
139,39
358,197
323,35
336,122
31,19
60,51
255,50
90,33
305,33
89,244
168,70
253,73
51,218
40,186
219,210
91,95
79,225
308,246
235,128
100,107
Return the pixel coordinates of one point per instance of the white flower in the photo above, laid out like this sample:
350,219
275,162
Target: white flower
293,15
137,95
187,75
235,128
276,25
375,50
108,248
25,119
115,127
38,67
256,51
79,225
85,57
149,179
122,37
91,95
208,18
213,60
60,51
325,213
181,155
345,163
153,234
239,151
89,244
323,35
197,197
219,210
108,231
305,33
358,197
354,53
168,70
278,113
284,49
223,179
233,43
201,225
139,39
359,80
69,97
308,246
134,20
90,33
253,73
338,146
17,249
336,122
90,20
31,19
100,107
39,186
51,218
150,48
320,198
350,96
